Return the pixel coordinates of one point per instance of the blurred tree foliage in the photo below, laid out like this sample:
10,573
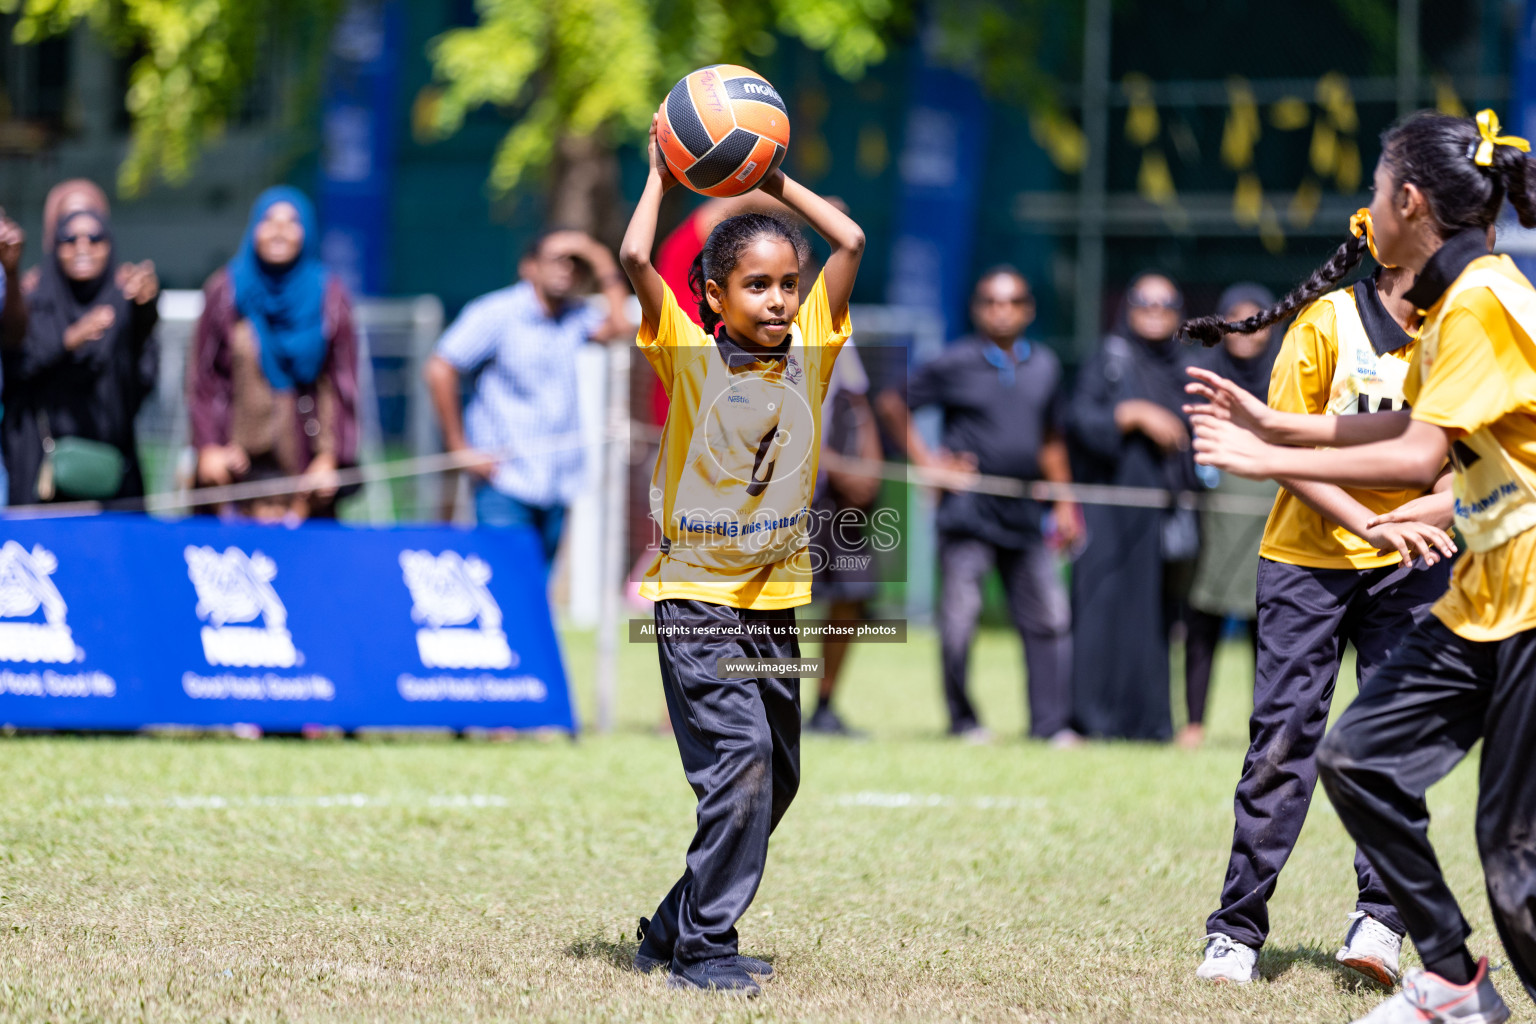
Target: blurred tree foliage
583,69
192,62
580,76
586,75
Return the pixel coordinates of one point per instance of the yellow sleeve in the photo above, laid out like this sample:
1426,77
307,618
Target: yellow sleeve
1469,386
823,338
1303,373
673,331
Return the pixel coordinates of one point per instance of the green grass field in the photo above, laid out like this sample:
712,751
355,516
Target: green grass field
915,879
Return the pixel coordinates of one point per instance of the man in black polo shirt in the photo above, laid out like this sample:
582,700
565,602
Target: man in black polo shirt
1002,401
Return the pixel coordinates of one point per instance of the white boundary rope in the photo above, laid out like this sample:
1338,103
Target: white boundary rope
427,465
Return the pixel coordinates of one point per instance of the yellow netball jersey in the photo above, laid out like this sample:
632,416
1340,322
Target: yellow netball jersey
1474,374
736,473
1328,365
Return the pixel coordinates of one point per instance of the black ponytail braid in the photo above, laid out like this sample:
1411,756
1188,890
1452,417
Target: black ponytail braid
723,250
1434,153
1209,330
1518,173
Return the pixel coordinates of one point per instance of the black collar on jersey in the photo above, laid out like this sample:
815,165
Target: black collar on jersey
1446,266
736,354
1386,334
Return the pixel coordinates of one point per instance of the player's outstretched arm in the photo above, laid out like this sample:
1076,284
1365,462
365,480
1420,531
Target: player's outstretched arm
840,230
1226,400
640,239
1414,459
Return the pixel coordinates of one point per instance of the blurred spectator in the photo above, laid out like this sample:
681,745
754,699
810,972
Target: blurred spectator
13,310
1003,411
69,197
63,199
1129,583
266,509
842,557
273,370
522,422
88,360
1227,571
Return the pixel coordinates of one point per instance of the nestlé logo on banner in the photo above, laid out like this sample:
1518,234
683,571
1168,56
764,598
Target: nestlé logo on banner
448,593
25,591
234,588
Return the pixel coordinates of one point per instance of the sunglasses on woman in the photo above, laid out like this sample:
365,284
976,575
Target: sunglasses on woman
77,239
1141,302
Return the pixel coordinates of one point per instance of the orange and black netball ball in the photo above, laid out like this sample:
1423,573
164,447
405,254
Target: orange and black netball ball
722,129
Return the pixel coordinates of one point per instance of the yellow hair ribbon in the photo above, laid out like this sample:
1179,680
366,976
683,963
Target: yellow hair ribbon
1488,127
1360,224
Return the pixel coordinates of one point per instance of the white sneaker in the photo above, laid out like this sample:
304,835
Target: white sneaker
1429,998
1226,960
976,736
1066,739
1371,948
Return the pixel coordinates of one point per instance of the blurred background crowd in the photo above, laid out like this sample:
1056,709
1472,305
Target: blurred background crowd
259,243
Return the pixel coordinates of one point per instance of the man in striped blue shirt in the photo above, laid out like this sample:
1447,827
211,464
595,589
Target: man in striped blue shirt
520,344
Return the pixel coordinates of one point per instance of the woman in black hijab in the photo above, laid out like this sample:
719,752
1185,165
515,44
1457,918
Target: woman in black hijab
88,361
1126,426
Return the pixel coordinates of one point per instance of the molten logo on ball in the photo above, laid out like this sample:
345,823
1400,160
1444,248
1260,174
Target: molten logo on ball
722,129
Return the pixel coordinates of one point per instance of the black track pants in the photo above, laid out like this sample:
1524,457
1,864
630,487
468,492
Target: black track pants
740,743
1414,721
1305,618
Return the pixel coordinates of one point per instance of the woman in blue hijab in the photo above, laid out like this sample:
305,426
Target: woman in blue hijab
273,380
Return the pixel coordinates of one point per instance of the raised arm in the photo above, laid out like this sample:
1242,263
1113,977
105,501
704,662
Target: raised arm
841,232
13,318
583,247
610,279
640,239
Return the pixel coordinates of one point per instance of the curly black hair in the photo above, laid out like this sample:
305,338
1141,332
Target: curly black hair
723,250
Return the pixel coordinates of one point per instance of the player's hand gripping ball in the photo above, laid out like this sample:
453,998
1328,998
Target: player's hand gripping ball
722,129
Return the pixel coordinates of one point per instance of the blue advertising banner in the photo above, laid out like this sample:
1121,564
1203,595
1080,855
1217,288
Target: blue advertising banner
1522,122
941,172
120,622
357,159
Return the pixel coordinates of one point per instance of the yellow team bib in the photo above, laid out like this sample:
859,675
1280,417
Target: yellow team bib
743,497
1495,495
1364,380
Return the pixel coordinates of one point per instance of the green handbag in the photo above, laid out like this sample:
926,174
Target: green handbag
74,467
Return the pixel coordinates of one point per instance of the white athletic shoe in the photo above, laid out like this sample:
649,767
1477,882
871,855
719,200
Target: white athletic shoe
1430,999
1371,948
1226,960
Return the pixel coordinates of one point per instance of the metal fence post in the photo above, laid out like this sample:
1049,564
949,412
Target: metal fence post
1088,301
615,519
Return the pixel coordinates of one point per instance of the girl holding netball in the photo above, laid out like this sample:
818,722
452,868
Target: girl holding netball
1465,673
731,494
1329,574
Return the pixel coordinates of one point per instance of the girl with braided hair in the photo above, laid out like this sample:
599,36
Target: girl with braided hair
731,495
1464,672
1329,574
